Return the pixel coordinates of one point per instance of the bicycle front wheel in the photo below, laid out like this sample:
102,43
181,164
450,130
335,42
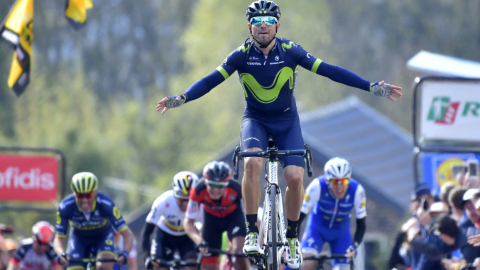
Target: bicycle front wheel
273,207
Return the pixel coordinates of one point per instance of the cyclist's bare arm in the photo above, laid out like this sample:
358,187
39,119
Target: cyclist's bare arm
127,239
13,266
59,244
189,225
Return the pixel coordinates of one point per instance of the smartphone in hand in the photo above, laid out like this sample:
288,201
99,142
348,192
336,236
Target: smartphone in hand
473,166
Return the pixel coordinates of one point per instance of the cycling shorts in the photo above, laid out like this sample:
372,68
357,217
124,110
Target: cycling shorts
213,227
164,245
314,236
286,131
81,247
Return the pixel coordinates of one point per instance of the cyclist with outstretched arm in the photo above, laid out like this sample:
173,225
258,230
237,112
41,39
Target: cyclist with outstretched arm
221,200
332,197
267,69
167,215
93,217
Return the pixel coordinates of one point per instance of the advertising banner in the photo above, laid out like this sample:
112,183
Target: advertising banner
438,167
450,111
28,178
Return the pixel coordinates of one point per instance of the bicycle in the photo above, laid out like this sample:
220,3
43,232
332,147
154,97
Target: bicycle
323,257
271,251
92,260
230,254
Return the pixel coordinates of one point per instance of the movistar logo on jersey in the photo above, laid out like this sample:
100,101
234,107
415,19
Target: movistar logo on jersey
285,46
267,94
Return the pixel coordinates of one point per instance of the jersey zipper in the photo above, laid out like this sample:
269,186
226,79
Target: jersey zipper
334,213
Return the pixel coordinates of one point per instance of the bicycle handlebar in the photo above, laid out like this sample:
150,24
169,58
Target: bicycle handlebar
273,153
91,260
176,264
279,153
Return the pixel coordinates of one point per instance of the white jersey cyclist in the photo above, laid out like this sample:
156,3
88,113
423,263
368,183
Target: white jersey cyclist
166,215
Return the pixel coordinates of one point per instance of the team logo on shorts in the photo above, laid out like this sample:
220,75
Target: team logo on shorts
232,198
277,58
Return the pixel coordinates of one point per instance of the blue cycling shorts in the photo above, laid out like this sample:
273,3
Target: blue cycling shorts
80,248
314,236
286,131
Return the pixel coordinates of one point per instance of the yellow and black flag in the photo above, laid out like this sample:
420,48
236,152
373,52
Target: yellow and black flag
76,12
17,31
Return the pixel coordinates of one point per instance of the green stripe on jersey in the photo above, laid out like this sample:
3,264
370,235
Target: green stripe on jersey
315,65
224,72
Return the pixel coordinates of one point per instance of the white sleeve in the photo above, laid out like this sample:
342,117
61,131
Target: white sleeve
312,195
158,209
360,202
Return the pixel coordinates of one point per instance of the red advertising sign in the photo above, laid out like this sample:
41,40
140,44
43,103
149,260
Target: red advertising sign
28,178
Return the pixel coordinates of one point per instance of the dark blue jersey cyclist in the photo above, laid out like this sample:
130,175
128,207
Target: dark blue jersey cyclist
93,218
267,70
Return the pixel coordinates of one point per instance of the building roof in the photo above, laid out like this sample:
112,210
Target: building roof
437,64
380,152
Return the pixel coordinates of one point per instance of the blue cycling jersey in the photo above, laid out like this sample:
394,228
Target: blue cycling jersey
91,224
269,81
329,211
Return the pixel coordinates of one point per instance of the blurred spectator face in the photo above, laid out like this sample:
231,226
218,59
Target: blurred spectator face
460,177
422,191
471,211
437,209
11,247
471,182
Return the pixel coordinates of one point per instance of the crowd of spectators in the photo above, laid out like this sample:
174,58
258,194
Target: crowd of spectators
443,231
8,246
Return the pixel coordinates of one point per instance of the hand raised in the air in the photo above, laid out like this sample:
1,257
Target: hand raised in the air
170,102
383,89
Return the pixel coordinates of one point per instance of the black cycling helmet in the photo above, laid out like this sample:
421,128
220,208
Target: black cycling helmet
217,171
263,8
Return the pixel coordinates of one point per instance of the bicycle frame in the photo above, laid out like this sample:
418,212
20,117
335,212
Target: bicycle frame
274,238
272,187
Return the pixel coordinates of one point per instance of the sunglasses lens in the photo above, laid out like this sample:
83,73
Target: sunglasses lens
216,185
339,181
269,21
84,195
